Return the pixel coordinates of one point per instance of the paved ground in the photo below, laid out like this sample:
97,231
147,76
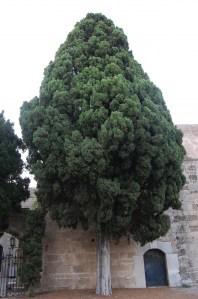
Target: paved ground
152,293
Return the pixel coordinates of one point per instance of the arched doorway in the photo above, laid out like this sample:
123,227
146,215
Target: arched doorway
155,268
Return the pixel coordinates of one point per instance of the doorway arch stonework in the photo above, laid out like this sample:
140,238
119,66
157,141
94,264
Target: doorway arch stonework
172,263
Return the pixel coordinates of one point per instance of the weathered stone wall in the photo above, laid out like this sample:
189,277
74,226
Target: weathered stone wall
184,228
70,260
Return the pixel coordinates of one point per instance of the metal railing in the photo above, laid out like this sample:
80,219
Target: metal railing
10,273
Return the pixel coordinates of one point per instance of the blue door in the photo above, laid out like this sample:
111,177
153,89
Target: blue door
155,268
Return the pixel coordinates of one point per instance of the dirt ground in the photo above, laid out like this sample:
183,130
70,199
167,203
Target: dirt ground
152,293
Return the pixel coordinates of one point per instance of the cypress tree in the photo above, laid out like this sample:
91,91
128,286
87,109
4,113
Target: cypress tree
102,146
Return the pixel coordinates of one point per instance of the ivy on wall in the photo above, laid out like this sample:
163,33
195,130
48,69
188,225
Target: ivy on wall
31,245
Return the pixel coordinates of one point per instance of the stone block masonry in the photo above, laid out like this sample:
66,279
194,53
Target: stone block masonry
69,260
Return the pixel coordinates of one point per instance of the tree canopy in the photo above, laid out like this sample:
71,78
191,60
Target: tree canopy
102,145
13,188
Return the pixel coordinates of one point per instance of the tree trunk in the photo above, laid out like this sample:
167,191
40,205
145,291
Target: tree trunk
103,279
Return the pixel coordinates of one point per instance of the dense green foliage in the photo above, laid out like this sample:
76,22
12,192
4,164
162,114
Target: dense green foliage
13,188
102,145
31,245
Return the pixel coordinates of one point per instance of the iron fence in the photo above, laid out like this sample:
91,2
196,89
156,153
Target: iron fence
10,273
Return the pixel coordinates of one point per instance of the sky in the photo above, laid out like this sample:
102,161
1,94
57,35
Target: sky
162,34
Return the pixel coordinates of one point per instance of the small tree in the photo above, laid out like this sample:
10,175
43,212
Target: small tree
13,188
102,145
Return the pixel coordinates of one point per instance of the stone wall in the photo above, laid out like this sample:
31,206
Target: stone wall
184,228
69,260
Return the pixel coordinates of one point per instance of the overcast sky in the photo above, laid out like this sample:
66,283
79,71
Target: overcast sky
163,35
